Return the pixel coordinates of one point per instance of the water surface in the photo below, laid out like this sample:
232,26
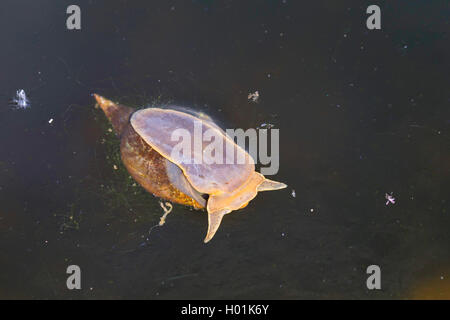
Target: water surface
361,113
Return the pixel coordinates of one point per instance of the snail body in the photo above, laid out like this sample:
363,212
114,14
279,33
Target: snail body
147,151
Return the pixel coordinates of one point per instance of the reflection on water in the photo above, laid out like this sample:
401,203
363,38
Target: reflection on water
434,285
360,115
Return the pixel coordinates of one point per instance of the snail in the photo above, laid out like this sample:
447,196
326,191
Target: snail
147,148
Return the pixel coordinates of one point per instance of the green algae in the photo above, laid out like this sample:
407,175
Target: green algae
109,196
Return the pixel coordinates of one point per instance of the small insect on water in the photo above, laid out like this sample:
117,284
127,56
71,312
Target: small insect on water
20,101
253,96
390,198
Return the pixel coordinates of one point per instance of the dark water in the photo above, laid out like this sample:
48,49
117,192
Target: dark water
360,113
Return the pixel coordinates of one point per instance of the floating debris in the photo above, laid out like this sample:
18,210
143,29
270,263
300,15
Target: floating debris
162,220
293,193
50,121
115,167
21,101
389,198
266,126
253,96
